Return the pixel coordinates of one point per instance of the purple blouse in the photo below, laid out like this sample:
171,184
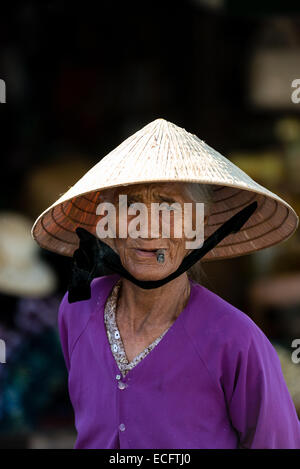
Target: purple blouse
213,381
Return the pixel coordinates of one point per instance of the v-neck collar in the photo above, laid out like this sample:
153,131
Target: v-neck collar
100,322
115,338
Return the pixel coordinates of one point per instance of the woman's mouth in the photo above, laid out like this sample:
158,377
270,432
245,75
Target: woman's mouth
146,252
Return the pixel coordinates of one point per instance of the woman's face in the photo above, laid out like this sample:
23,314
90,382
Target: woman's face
138,255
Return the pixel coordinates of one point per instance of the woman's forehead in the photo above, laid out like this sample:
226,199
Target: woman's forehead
157,188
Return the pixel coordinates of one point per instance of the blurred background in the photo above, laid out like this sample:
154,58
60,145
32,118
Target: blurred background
81,79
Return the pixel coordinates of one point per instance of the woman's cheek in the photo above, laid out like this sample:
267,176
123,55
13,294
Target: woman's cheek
177,250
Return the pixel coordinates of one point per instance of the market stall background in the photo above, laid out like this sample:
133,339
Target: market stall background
79,80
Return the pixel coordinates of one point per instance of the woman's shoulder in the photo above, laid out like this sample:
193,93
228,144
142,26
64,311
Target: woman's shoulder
73,317
100,288
224,336
220,319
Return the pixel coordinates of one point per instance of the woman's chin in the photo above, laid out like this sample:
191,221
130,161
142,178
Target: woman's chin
148,274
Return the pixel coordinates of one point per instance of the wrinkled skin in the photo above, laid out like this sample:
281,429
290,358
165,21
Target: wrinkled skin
139,263
142,315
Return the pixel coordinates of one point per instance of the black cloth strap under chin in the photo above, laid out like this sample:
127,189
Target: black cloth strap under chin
94,258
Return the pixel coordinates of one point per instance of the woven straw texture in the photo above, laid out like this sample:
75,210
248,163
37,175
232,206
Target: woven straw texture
159,152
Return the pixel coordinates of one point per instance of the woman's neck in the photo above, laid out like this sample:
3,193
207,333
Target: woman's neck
149,309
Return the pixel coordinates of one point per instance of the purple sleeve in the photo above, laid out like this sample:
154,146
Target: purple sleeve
63,331
259,404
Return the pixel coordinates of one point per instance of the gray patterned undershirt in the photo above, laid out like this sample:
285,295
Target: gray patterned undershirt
114,336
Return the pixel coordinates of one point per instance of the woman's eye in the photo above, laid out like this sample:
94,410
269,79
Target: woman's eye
130,202
166,206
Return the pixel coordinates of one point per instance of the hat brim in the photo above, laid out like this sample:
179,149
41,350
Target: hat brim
273,222
163,152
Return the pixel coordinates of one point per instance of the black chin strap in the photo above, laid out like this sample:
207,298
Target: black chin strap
94,258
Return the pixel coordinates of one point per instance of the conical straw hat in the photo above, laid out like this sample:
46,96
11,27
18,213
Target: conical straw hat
159,152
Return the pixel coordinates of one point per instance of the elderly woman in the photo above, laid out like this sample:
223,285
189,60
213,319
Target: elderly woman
155,359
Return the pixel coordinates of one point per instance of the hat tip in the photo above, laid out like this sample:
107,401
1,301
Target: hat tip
160,121
163,121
